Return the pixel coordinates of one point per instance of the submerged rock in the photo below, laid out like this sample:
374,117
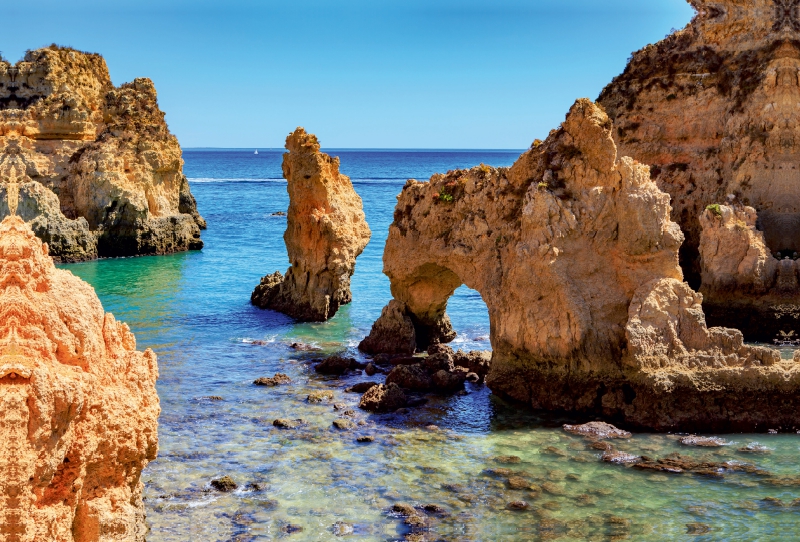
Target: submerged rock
78,403
272,381
335,365
344,424
284,423
708,442
361,387
597,430
100,173
326,231
224,484
383,398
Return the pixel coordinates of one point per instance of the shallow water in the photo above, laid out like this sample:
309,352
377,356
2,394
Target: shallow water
193,310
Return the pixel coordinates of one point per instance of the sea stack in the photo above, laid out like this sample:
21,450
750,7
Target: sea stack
574,252
101,175
326,231
713,109
78,403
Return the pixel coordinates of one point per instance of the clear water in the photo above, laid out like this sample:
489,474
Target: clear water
193,310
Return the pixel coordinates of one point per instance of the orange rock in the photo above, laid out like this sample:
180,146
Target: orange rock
78,402
326,231
102,173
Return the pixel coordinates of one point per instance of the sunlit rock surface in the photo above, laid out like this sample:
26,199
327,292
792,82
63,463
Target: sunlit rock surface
78,404
326,231
102,173
575,255
713,109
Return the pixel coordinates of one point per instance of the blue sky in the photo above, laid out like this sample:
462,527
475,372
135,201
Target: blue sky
358,73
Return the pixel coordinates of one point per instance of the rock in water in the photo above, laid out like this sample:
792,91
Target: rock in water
326,231
78,404
575,255
100,174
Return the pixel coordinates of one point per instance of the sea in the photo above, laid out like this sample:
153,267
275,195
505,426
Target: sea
317,482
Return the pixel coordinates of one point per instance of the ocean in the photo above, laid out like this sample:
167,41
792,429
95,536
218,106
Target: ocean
193,310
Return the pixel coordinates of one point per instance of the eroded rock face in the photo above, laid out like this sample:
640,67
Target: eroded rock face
102,174
326,231
78,404
576,257
712,108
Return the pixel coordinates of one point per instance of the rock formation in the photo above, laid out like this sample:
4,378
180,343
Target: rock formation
576,257
712,108
78,402
325,233
101,174
743,283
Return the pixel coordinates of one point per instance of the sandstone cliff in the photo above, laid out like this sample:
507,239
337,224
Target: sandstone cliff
103,173
576,257
79,404
712,109
326,231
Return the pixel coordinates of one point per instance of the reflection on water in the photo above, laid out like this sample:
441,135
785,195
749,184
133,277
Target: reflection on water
193,310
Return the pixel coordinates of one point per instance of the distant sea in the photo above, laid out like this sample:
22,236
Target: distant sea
193,310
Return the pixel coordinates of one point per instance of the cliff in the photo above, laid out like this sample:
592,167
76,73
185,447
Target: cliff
103,174
326,231
575,255
712,109
79,404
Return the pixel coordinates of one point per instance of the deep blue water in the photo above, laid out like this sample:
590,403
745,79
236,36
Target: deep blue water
193,310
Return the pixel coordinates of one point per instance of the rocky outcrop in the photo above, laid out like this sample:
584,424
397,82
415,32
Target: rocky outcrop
712,109
576,257
101,174
745,285
79,404
326,231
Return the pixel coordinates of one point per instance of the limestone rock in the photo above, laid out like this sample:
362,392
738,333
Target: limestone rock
326,231
712,109
576,257
79,404
102,173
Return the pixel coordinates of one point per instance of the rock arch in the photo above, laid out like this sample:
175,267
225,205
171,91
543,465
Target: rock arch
576,257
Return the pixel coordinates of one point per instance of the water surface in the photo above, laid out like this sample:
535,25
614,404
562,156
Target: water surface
193,310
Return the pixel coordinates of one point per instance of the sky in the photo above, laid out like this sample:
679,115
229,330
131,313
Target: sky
469,74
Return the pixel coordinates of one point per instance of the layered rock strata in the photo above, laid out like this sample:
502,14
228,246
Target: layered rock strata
712,108
101,173
576,257
326,231
79,406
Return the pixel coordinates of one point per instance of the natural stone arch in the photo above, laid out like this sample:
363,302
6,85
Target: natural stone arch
576,257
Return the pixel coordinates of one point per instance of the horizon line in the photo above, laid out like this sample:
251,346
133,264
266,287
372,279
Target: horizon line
328,149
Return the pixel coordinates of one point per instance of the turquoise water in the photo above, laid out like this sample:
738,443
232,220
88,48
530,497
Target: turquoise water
193,310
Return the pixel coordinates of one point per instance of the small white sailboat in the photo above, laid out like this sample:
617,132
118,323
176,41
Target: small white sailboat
256,152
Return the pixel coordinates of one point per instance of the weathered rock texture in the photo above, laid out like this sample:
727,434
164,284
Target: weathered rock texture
743,283
78,404
576,257
325,233
101,173
712,108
